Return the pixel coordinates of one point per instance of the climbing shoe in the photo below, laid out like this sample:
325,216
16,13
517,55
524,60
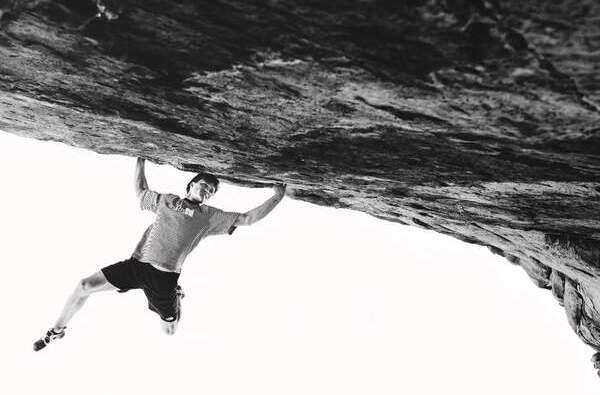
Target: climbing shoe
52,334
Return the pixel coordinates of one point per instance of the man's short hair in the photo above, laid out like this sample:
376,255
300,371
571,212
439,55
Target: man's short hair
207,177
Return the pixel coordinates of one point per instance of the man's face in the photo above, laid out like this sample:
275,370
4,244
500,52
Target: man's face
201,191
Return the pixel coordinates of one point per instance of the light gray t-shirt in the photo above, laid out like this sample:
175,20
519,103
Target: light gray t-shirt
178,228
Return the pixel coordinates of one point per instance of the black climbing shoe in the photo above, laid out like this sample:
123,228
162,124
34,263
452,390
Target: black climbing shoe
52,334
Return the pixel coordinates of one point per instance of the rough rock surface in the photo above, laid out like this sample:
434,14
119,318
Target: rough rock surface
477,119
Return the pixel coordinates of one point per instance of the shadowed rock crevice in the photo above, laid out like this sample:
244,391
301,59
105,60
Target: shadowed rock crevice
476,119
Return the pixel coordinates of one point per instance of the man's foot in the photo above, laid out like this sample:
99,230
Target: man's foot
52,334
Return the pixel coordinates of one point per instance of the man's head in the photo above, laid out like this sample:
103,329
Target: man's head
202,187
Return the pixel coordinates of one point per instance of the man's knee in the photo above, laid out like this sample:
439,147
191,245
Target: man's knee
92,283
169,328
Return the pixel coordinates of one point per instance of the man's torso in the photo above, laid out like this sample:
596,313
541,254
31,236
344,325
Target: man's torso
177,229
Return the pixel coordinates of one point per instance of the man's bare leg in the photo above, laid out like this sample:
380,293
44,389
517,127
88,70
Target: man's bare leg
169,327
95,283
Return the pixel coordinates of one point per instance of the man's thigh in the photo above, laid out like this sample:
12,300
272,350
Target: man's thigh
97,282
123,275
166,306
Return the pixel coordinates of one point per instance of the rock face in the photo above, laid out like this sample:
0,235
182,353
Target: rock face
477,119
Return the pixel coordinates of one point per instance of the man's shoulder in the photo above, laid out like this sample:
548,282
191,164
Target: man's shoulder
210,210
158,195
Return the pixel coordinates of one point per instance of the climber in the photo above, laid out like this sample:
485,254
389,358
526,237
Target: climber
156,263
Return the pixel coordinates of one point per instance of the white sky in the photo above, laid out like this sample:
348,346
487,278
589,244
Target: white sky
310,300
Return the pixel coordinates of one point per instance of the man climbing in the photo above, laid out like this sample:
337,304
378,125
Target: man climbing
156,263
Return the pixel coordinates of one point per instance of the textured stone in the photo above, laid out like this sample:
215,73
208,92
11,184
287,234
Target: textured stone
476,119
573,305
557,281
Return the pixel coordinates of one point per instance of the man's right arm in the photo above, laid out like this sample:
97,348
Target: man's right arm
148,199
140,182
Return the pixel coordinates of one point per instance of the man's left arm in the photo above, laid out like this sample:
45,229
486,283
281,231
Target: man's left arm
258,213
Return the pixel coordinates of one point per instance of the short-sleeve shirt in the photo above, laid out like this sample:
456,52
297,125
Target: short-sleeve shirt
178,228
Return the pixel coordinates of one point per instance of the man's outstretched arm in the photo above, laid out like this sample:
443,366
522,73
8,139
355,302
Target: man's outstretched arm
140,182
258,213
149,200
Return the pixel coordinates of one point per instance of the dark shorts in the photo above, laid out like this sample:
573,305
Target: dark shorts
159,286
